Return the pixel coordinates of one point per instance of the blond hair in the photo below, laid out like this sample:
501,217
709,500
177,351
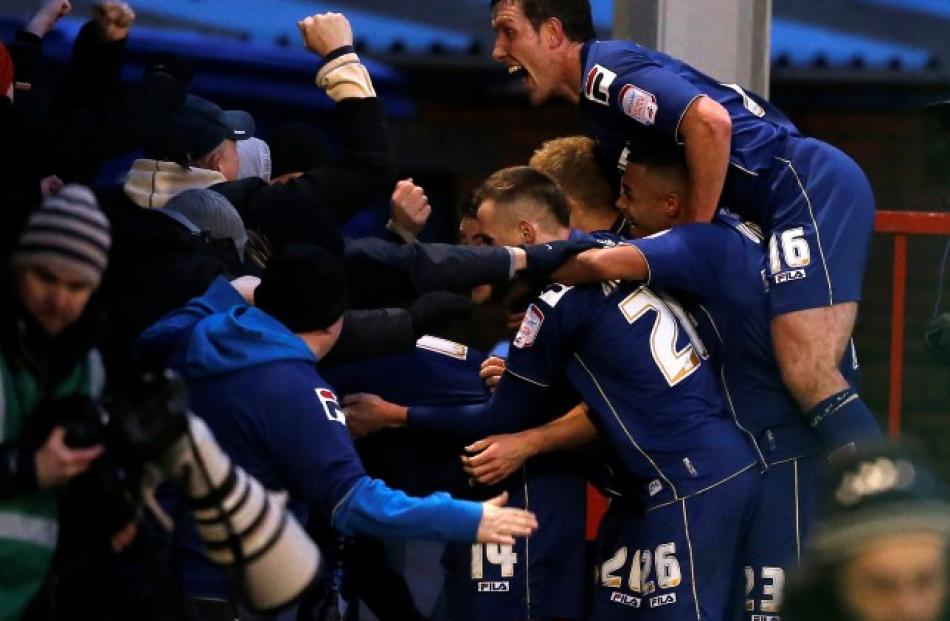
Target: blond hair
572,162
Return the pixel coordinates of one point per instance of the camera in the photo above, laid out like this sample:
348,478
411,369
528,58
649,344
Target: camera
136,429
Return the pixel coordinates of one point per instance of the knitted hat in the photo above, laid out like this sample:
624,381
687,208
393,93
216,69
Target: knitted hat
881,490
6,70
303,287
68,229
194,129
211,213
253,159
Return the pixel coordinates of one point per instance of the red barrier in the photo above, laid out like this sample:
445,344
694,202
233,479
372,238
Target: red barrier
901,224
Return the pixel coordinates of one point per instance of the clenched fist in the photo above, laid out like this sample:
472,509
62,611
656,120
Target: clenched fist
325,32
46,16
410,207
113,19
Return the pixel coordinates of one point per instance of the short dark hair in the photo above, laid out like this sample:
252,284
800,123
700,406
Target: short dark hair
523,183
656,152
574,15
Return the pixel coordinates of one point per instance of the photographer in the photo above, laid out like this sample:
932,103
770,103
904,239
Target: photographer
46,335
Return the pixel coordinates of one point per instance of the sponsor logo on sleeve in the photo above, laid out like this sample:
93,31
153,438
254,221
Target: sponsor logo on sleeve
638,104
553,294
330,405
789,276
530,326
597,84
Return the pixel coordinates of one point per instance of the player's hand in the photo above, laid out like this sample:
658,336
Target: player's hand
46,16
246,285
410,207
495,458
501,525
367,413
113,19
56,463
325,32
545,258
492,369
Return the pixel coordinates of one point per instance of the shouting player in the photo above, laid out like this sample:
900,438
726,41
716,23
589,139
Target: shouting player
813,202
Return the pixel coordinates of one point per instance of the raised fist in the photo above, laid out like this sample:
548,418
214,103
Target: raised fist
47,15
410,207
325,32
113,19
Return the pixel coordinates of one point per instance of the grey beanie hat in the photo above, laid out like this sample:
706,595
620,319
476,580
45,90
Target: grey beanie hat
213,213
68,229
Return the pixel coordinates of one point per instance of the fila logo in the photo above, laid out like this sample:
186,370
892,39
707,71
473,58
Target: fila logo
597,84
662,600
766,618
493,587
626,600
789,276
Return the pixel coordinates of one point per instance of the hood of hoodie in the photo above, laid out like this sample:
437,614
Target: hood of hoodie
240,338
152,183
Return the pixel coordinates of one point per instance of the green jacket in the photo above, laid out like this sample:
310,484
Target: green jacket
29,522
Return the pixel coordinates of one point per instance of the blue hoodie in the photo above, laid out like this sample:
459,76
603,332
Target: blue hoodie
256,385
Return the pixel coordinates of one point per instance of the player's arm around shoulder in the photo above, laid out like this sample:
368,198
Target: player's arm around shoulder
622,262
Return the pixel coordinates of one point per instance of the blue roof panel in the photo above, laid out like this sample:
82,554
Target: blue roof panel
803,43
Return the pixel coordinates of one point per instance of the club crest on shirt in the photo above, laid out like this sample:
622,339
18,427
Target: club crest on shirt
530,326
638,104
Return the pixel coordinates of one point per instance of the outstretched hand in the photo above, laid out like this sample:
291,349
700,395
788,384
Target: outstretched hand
500,524
325,32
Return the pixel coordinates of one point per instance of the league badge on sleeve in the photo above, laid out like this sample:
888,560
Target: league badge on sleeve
530,326
330,405
638,104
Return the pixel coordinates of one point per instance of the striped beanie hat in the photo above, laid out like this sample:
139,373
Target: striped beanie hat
69,230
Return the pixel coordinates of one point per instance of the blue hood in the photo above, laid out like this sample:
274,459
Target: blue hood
239,338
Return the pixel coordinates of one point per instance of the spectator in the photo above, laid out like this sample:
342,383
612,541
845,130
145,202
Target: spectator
47,325
253,380
880,553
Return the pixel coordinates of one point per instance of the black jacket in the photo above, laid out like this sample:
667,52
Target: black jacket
309,208
155,266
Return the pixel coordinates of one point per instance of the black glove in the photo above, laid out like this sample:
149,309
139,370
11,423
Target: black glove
546,258
434,309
